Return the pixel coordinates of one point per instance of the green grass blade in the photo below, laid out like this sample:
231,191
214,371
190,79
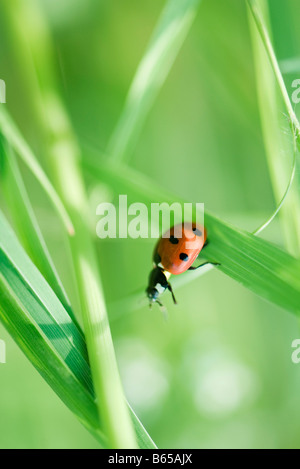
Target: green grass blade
167,39
106,379
257,264
48,336
27,226
63,156
44,330
262,29
270,102
10,132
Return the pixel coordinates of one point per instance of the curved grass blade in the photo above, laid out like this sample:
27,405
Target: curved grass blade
271,105
26,223
43,329
257,264
262,29
168,37
10,132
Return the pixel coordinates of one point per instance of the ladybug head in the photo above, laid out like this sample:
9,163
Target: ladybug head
153,296
158,284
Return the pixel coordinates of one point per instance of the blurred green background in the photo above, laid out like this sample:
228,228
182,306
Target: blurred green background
219,372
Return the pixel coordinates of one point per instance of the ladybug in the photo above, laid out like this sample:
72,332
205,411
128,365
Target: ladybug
175,253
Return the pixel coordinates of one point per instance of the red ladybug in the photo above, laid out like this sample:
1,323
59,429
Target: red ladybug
174,254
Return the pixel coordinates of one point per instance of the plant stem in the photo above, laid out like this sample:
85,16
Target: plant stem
171,30
110,397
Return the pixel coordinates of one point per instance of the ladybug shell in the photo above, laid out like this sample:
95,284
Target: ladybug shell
177,254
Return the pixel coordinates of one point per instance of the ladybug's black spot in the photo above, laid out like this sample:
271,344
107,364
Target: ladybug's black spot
197,232
157,258
184,257
174,240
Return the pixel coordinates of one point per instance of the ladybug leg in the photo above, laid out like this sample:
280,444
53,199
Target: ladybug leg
172,293
205,263
205,244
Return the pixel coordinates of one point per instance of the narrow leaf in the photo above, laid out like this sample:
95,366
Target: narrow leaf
10,132
45,332
167,39
26,223
277,145
263,31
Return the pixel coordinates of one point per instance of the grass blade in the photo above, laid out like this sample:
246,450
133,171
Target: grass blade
106,379
270,103
45,332
10,132
261,27
63,156
27,226
168,37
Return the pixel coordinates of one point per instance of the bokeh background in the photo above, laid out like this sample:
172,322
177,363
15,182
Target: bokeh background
219,372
